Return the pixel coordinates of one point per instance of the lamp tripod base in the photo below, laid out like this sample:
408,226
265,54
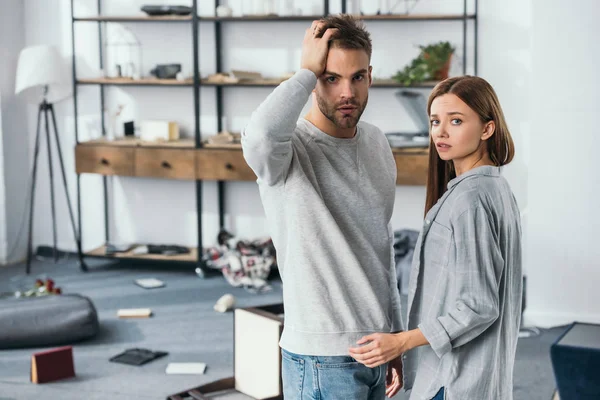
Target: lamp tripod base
44,110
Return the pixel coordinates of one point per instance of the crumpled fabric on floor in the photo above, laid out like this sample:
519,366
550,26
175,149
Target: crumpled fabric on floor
243,263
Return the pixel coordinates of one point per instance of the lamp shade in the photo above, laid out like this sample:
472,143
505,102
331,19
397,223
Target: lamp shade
42,67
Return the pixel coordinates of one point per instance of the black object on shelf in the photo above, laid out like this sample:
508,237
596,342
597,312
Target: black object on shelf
137,356
166,71
156,11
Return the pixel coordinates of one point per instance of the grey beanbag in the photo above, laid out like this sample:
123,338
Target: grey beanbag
46,321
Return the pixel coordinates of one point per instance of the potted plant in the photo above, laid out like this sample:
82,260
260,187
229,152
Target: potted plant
433,63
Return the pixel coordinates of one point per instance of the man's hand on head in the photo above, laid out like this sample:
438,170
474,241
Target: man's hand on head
315,49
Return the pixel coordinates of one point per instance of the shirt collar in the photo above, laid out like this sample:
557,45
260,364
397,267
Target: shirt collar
489,170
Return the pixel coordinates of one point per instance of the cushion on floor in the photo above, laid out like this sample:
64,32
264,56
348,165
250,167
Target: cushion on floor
46,321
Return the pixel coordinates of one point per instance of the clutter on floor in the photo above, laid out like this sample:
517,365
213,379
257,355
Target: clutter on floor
138,249
243,263
52,365
256,348
405,241
46,321
137,356
225,303
134,313
186,368
149,283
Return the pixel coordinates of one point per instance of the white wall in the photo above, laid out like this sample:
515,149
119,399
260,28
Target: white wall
563,251
14,160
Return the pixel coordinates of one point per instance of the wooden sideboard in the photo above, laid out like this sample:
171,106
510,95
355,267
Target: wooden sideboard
181,160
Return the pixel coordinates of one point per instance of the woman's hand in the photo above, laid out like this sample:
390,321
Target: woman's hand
379,348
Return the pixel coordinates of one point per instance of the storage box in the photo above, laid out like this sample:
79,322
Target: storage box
576,362
257,356
154,130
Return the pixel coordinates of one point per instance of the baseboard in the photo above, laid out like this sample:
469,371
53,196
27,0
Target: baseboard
542,319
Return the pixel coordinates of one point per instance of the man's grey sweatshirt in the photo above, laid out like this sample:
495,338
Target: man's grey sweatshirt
328,203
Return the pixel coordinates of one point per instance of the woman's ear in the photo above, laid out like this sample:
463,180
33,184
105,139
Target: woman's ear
488,130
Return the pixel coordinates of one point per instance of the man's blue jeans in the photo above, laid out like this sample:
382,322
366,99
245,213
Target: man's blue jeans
330,378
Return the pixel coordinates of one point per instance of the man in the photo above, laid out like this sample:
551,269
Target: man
327,183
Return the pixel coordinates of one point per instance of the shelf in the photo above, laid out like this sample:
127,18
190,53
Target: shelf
192,256
212,163
264,18
133,18
273,18
377,83
417,17
136,82
135,142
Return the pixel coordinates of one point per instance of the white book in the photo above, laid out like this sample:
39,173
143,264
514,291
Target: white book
149,283
134,313
186,368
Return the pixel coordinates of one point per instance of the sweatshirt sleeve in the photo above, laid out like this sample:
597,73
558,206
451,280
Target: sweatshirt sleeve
479,268
267,139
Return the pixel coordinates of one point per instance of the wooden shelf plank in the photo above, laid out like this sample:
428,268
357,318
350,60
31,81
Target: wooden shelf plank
134,18
135,142
417,17
377,83
264,18
192,256
270,18
147,81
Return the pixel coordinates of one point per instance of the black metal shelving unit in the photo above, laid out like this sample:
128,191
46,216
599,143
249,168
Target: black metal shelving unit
196,83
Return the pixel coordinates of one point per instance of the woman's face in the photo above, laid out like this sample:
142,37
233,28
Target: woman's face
457,130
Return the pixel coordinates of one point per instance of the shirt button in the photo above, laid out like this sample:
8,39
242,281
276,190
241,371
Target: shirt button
427,222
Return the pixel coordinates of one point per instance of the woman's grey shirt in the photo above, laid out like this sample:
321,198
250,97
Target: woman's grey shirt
465,291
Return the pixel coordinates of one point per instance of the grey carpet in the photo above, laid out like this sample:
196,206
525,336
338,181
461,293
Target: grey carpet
184,324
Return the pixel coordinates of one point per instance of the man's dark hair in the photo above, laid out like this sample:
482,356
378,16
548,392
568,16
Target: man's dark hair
351,33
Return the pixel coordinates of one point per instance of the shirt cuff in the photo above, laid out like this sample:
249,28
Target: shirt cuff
437,337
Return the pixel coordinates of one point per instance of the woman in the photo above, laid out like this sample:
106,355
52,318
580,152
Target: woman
464,302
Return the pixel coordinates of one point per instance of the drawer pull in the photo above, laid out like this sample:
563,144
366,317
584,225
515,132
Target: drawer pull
104,161
165,164
229,166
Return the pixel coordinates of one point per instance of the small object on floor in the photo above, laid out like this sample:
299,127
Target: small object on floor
225,303
167,249
137,356
114,248
186,368
149,283
52,365
134,313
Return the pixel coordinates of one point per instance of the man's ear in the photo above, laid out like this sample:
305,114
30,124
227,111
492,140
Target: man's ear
370,75
488,130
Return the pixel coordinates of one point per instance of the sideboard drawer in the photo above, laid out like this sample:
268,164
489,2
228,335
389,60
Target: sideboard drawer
165,163
105,160
222,165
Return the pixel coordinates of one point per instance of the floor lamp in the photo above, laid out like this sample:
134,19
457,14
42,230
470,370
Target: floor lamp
41,79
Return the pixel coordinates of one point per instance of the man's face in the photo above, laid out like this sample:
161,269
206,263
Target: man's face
343,89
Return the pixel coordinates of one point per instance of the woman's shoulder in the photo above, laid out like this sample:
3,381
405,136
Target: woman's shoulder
478,191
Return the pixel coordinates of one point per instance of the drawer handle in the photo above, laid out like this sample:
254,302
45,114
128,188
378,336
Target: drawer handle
229,166
104,161
165,164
